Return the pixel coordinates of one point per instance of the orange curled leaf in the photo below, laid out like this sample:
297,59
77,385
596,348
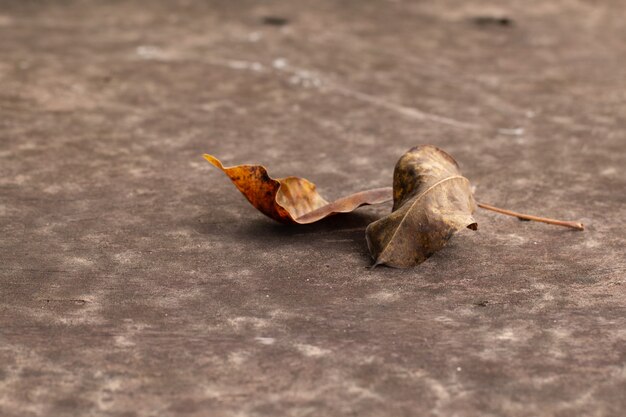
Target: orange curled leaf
292,200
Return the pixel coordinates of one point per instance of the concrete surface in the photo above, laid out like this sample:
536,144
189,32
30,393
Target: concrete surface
136,281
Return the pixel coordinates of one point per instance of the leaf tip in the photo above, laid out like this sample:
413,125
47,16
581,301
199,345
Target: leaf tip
213,160
372,267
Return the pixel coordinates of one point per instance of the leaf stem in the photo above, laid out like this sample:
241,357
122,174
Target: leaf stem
522,216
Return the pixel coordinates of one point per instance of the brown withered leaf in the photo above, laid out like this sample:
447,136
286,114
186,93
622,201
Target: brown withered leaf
431,201
292,200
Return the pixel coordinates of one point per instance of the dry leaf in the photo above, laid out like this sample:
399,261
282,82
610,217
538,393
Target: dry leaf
431,202
292,199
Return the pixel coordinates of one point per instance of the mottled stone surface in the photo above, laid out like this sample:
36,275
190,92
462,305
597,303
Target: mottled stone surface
136,281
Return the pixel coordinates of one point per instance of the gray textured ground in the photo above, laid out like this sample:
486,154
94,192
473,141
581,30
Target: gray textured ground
136,281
